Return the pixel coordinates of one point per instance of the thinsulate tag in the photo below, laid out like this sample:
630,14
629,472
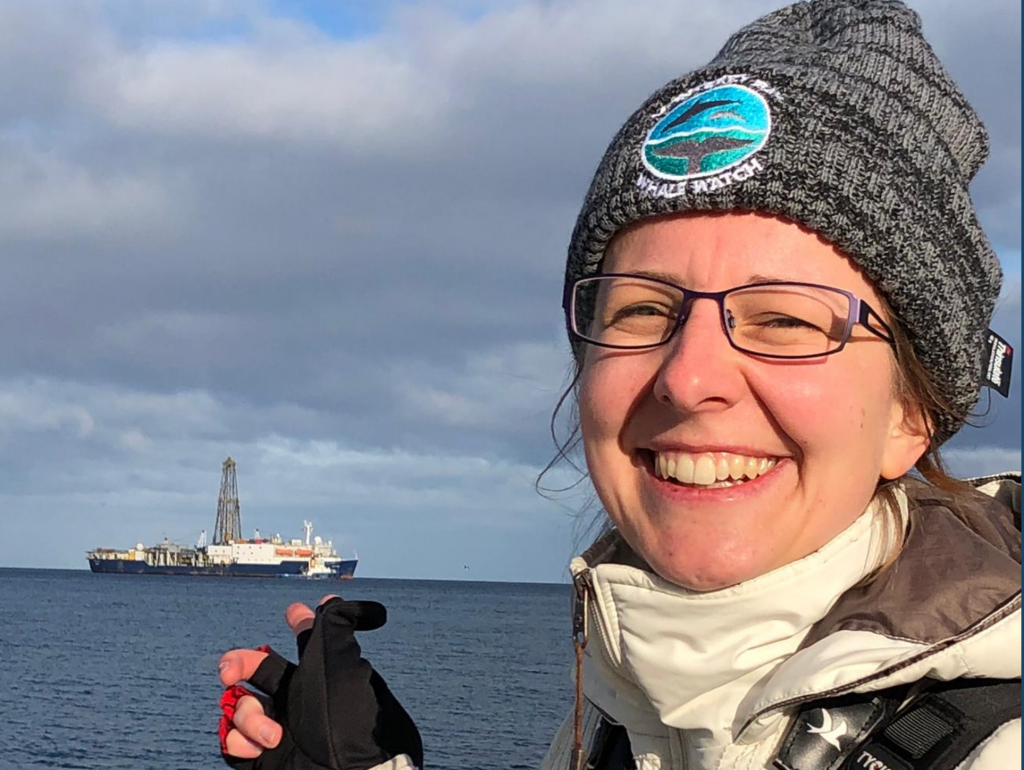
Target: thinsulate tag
998,362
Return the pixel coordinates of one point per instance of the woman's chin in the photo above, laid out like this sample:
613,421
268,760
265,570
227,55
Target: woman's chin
705,571
702,582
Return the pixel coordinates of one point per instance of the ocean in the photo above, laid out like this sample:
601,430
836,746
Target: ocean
110,672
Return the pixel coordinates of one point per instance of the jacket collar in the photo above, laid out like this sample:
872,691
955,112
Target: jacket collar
948,607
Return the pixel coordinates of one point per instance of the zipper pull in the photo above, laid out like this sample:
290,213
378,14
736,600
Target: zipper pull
581,608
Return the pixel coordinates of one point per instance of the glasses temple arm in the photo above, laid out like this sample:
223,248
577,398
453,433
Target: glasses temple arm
871,320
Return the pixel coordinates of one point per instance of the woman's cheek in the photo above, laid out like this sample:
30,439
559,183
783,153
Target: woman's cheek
800,402
830,417
605,395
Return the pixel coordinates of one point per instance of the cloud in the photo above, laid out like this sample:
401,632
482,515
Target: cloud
492,389
970,462
51,198
27,412
140,466
334,248
973,43
310,90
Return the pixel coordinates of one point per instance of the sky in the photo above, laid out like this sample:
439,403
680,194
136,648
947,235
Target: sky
327,239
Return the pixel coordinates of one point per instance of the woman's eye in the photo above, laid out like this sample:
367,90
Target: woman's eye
642,310
787,322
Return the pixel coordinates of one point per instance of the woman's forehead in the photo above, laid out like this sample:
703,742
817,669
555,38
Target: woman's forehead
732,249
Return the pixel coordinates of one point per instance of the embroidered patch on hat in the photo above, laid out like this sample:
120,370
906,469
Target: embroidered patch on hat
713,131
709,138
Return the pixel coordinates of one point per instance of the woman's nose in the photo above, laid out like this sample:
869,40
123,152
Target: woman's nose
700,371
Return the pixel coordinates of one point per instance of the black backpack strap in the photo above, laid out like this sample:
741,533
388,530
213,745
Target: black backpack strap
610,749
941,728
937,730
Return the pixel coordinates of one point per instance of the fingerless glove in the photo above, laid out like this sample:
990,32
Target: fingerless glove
336,711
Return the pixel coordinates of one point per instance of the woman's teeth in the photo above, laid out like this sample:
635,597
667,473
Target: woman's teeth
720,469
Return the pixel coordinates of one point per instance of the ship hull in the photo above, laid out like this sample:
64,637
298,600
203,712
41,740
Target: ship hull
345,569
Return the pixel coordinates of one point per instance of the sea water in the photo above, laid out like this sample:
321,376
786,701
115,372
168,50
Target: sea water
104,672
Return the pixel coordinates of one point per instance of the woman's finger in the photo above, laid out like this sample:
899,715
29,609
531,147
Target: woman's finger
299,617
238,665
254,725
237,745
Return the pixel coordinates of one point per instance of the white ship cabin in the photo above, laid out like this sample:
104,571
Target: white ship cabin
273,550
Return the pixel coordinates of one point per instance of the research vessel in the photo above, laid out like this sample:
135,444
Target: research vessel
230,555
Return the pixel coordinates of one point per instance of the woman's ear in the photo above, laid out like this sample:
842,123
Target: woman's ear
909,438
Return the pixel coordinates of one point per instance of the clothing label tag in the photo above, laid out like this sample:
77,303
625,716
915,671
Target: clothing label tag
876,757
998,363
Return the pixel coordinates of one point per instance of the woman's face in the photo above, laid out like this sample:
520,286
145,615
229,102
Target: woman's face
825,429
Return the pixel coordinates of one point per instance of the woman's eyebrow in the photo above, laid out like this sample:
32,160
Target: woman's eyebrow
657,274
759,278
675,279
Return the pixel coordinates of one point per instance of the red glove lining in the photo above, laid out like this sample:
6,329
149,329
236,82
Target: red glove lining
228,704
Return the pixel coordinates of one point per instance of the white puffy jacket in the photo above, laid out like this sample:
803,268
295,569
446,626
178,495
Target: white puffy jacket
712,681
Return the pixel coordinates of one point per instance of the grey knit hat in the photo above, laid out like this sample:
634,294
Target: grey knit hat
835,114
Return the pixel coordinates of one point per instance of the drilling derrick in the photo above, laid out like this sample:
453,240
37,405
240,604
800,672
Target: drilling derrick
229,515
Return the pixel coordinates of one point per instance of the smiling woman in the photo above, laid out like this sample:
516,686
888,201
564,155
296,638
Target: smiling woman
778,299
666,428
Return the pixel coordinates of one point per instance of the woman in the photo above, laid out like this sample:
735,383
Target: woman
778,297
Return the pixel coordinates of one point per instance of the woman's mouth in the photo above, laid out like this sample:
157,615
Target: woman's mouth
706,470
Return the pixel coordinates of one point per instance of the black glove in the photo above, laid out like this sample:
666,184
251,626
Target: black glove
336,712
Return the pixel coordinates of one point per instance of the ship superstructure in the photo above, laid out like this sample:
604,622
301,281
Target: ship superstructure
230,554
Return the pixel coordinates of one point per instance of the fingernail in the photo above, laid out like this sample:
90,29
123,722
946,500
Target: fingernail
224,666
266,736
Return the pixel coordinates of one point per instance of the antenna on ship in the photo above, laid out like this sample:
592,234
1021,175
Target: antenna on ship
229,515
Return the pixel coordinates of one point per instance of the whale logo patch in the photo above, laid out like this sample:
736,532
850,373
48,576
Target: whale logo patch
707,133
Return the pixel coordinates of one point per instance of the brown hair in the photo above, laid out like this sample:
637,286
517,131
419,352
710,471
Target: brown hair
921,399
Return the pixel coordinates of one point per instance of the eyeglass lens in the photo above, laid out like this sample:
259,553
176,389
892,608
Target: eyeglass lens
775,319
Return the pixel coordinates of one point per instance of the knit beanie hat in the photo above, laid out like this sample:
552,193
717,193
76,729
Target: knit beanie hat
835,114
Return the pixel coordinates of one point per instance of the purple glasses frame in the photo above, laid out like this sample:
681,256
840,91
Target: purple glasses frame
860,313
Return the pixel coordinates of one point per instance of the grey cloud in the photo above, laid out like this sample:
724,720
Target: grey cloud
209,242
980,45
40,52
130,466
981,461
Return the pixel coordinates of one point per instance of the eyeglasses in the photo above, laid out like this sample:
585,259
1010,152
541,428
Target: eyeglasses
771,320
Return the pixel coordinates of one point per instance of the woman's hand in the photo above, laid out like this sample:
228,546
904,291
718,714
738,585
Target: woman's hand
253,731
332,711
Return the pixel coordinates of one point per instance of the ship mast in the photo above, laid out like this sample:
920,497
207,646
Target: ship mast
229,516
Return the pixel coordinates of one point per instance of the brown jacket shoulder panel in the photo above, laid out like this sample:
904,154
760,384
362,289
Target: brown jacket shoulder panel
960,563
